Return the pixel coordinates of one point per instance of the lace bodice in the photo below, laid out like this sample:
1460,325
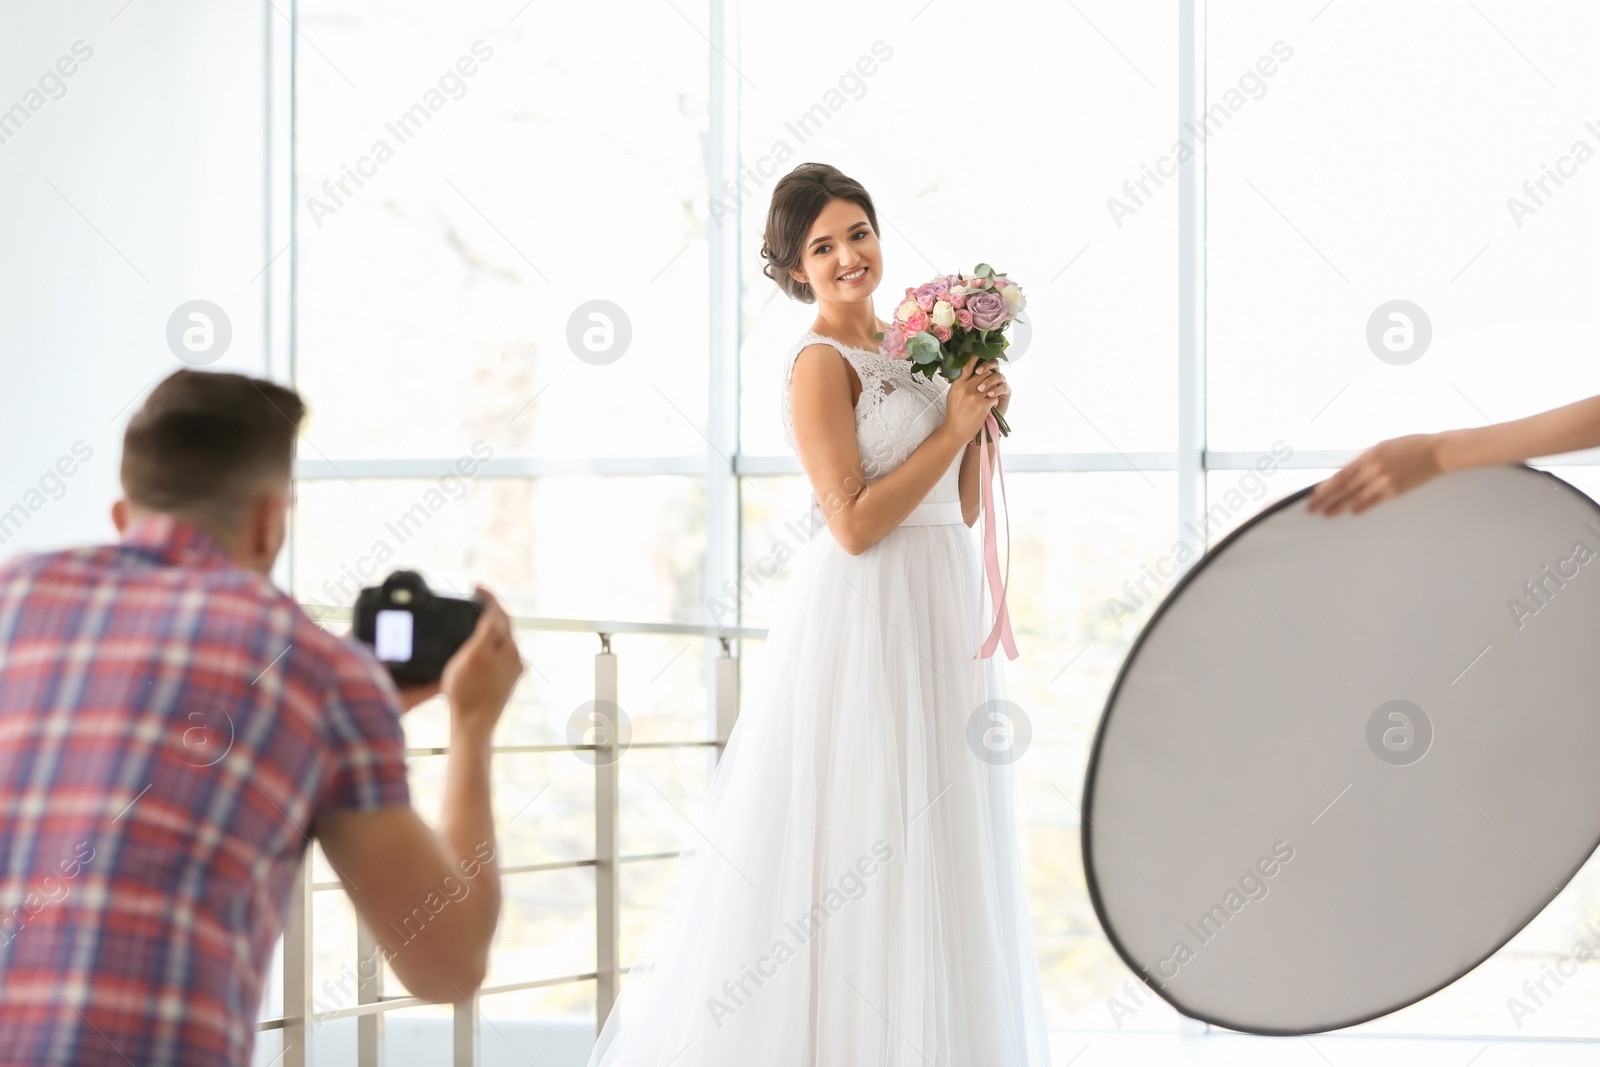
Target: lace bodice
897,410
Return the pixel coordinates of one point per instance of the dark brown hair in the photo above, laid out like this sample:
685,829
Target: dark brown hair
204,441
797,200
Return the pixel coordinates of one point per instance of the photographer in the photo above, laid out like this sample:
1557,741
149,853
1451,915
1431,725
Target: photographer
173,732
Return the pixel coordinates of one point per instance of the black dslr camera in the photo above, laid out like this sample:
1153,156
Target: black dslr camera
413,630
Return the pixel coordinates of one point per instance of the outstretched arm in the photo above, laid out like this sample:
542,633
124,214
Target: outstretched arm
432,897
1403,463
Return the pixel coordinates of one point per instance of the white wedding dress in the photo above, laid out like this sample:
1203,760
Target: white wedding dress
852,895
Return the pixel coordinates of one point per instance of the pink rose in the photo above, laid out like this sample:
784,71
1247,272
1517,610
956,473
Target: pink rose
963,316
959,300
942,332
927,295
894,344
919,321
989,309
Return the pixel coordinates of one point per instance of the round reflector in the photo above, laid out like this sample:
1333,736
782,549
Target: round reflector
1348,758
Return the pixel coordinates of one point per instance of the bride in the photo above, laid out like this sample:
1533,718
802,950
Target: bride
853,895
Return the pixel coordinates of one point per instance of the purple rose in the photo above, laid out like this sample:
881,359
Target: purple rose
989,309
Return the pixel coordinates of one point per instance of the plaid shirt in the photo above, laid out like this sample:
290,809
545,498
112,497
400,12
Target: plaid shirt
171,726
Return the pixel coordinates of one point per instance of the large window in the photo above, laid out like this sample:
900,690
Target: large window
1387,158
1372,168
526,245
472,181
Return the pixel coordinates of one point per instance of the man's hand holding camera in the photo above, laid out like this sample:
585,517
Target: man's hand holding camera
479,679
483,672
464,650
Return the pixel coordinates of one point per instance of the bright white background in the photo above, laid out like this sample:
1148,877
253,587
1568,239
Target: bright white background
585,160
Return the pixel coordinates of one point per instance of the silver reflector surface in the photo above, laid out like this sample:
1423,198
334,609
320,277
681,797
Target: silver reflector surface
1348,758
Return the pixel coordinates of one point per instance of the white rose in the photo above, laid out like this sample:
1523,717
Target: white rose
906,310
944,314
1014,298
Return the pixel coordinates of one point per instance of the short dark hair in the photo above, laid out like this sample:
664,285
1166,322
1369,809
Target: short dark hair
204,441
797,200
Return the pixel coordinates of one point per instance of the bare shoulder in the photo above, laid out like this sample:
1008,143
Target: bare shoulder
821,369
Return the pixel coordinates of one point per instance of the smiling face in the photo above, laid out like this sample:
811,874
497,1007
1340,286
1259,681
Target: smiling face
842,260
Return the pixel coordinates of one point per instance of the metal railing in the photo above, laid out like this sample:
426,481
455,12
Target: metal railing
300,1019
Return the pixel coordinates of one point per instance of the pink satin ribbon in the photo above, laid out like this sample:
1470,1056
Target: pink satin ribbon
1000,633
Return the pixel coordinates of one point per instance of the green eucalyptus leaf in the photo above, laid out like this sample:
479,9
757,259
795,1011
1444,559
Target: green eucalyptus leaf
923,348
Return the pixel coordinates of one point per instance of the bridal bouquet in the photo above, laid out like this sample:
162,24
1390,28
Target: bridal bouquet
941,326
944,323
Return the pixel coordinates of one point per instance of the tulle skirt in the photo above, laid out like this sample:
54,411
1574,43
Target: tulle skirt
852,895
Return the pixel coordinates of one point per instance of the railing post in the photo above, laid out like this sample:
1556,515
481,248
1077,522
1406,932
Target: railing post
464,1034
297,956
369,1028
607,876
726,695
